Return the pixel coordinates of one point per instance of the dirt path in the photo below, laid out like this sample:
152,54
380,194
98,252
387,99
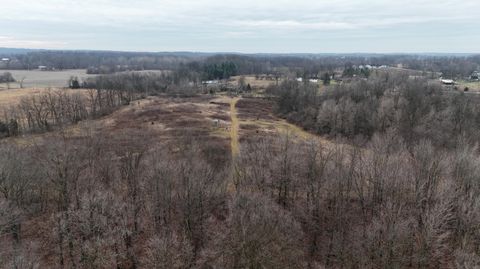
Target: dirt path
234,128
302,134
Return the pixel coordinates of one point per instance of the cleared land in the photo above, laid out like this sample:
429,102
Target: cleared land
222,123
156,121
471,85
260,82
13,96
234,127
44,79
257,120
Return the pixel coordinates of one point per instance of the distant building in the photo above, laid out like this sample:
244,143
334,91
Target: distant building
447,81
42,68
475,76
313,80
5,59
299,79
210,82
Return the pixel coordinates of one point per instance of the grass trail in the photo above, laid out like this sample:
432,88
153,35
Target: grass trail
234,144
234,128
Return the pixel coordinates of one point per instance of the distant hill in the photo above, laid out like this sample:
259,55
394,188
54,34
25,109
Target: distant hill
10,51
188,54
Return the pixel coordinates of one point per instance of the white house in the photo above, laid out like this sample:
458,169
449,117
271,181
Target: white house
210,82
447,81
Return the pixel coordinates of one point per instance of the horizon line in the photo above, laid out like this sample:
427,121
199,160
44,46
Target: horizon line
241,53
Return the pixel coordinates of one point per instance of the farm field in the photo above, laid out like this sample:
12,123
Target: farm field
13,96
44,79
255,82
473,86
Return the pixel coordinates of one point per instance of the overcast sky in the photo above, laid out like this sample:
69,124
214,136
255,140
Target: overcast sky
280,26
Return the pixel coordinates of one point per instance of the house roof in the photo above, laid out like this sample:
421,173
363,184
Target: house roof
447,81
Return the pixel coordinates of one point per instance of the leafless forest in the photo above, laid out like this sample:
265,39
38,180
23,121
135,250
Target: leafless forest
234,161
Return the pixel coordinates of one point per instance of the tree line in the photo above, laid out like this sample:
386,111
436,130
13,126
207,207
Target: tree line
215,66
55,109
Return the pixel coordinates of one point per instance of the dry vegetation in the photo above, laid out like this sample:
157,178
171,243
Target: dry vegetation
257,82
257,120
160,132
153,185
14,96
156,171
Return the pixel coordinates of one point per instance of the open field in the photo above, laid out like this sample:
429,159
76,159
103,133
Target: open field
43,79
13,96
222,123
254,82
155,121
257,120
473,86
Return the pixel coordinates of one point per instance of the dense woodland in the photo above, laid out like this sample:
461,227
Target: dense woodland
397,186
414,109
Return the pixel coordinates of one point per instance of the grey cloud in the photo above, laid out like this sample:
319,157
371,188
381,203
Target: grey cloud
175,22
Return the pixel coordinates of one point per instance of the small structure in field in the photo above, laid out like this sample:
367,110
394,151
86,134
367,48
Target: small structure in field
475,75
210,82
447,81
5,59
42,68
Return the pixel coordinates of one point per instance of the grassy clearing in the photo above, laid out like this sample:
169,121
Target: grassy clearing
13,96
254,82
257,120
472,85
155,121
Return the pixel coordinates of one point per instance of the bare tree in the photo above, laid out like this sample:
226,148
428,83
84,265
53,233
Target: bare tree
261,235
